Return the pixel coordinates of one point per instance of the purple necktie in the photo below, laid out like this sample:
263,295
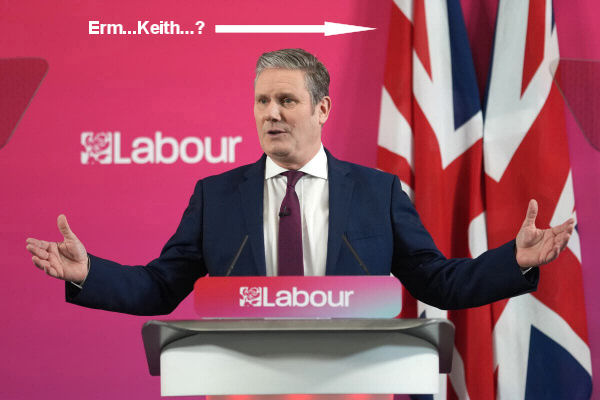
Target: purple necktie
290,229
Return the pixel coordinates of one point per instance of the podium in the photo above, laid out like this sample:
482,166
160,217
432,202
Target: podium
293,356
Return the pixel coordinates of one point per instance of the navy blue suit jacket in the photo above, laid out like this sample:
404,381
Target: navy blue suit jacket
366,205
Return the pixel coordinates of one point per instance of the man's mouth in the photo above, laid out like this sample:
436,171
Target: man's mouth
275,131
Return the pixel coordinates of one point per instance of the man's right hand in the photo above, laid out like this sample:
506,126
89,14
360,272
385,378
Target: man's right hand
66,260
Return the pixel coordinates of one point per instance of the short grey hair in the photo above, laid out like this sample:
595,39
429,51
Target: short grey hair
316,76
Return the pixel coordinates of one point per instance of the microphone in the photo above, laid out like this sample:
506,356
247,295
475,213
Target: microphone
237,255
285,211
355,254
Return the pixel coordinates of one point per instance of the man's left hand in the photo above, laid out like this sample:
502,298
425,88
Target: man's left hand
535,246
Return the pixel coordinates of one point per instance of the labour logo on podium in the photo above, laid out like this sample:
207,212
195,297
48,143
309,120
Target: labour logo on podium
298,297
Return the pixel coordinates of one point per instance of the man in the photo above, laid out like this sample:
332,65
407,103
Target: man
299,222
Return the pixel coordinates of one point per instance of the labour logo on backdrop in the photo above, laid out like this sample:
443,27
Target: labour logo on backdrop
250,296
97,148
109,148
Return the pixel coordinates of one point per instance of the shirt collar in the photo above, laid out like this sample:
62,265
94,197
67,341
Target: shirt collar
316,167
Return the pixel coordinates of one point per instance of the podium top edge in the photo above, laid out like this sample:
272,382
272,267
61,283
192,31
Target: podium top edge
294,324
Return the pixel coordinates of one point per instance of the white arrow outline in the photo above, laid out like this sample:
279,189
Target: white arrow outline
328,28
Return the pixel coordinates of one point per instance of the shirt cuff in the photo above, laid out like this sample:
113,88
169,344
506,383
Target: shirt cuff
80,285
524,271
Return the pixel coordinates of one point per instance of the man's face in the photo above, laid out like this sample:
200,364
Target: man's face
289,127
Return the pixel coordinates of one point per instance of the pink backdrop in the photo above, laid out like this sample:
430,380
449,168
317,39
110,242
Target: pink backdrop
182,86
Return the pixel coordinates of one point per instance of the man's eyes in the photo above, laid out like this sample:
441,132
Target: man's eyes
286,101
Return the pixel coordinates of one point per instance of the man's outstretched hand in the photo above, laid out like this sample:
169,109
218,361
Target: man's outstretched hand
536,246
66,260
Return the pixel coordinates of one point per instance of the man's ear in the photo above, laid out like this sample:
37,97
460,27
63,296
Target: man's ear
323,108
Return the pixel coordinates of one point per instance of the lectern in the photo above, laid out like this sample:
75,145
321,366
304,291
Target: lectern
290,356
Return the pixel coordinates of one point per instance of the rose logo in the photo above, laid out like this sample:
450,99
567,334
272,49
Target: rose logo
250,296
97,148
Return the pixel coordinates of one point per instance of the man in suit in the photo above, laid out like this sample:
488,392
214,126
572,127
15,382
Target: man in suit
298,210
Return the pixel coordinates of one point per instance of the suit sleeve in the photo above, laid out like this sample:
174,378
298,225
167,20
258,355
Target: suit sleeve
451,283
156,288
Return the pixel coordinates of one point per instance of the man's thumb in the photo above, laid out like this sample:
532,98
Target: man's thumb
532,211
63,227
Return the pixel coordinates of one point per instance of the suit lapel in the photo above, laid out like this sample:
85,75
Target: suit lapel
340,194
251,194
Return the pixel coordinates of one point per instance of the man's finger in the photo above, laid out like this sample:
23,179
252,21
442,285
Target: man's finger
562,240
38,251
39,243
554,254
551,255
63,227
52,272
566,226
53,258
41,264
532,210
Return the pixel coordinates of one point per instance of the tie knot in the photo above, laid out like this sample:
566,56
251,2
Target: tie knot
292,177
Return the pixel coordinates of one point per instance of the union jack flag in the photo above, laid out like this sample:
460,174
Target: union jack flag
450,157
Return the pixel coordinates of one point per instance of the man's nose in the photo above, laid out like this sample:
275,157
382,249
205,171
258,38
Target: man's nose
273,112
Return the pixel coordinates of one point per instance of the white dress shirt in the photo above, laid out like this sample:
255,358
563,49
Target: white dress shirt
313,193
